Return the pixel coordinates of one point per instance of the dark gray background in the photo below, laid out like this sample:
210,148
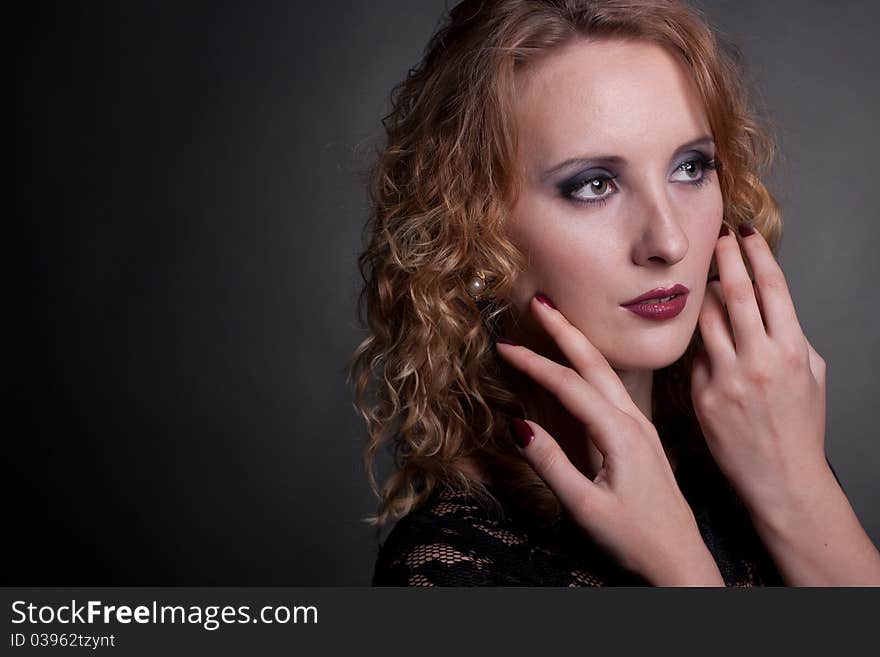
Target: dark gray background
187,214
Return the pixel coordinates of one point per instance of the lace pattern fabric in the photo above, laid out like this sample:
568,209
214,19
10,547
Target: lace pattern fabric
452,540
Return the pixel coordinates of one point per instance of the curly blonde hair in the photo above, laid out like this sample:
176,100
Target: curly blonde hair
440,189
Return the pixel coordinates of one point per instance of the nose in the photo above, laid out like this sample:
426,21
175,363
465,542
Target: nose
660,237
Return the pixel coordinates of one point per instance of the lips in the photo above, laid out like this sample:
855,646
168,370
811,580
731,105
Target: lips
658,293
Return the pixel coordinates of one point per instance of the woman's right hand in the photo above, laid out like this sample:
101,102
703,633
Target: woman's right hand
634,507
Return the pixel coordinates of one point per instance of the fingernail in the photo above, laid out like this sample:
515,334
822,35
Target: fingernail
522,432
724,230
545,300
506,341
745,229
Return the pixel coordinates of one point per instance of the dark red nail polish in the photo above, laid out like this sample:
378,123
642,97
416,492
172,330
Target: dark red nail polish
724,230
522,432
506,341
542,298
745,229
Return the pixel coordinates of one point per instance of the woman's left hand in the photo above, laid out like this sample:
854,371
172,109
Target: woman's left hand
759,387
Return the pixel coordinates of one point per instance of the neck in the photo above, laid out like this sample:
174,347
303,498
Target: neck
639,384
569,432
540,406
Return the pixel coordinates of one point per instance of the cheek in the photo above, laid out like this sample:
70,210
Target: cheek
565,252
589,259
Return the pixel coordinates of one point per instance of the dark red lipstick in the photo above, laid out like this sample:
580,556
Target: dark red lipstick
656,304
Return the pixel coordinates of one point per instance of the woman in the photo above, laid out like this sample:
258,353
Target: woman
553,167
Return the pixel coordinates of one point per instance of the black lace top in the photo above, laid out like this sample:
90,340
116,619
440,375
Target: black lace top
452,540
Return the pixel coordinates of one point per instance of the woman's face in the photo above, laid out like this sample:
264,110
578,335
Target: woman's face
593,243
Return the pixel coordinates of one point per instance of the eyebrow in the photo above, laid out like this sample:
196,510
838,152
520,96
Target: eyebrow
617,160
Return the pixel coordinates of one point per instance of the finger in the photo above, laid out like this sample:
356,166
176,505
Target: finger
700,373
715,327
773,294
739,295
577,396
817,364
550,462
584,357
760,305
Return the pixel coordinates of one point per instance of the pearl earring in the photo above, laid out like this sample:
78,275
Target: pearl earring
477,285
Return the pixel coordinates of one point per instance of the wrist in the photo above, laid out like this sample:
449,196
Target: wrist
697,569
780,519
816,539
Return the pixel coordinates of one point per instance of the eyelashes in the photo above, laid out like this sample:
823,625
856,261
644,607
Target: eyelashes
706,166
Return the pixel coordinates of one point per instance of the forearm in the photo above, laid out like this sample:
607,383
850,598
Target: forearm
816,539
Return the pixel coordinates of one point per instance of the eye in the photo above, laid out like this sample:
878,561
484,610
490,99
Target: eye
701,167
593,188
581,190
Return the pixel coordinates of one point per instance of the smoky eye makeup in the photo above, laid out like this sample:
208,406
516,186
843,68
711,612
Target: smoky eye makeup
600,180
591,180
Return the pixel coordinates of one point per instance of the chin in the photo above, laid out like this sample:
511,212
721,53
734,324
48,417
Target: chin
646,354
